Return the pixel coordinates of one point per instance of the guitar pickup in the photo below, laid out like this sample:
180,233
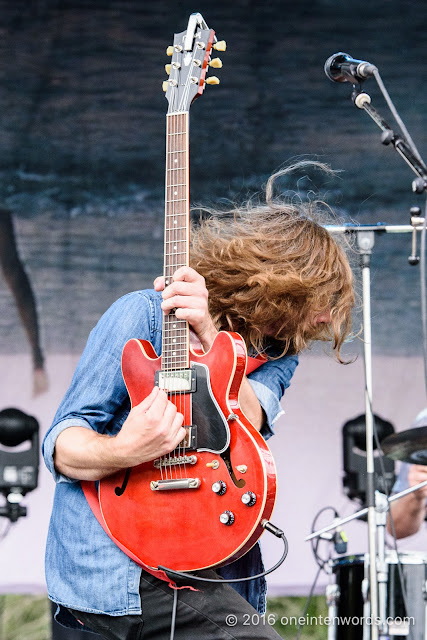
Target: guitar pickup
176,380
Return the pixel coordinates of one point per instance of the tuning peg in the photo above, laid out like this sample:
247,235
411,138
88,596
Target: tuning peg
165,85
168,68
220,46
169,51
212,80
216,63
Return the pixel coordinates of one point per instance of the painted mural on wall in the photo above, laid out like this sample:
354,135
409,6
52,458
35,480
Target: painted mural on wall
82,137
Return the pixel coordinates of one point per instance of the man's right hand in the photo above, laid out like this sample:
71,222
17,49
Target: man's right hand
152,429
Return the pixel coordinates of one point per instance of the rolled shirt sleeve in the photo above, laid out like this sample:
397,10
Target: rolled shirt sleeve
269,383
97,397
49,445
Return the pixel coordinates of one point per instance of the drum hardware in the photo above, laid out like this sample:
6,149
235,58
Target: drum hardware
407,446
333,594
361,513
353,609
381,570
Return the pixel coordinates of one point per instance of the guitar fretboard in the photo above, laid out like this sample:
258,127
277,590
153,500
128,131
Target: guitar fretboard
175,339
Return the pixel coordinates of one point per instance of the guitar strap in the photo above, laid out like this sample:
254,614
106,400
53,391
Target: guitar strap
91,494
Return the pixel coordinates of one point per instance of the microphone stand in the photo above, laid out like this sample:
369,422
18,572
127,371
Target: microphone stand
363,101
377,573
376,509
365,242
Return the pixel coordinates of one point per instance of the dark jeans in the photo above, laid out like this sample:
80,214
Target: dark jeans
213,612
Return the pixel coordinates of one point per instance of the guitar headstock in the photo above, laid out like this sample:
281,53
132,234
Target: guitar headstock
191,57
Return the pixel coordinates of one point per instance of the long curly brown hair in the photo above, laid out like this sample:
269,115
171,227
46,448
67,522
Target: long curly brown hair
270,269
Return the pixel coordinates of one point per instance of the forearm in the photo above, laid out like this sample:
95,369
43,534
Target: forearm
152,429
250,405
408,514
84,454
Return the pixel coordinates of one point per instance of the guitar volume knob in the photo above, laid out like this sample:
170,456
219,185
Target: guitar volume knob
227,518
249,498
219,487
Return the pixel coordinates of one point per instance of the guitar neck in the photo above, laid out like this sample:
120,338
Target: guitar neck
175,338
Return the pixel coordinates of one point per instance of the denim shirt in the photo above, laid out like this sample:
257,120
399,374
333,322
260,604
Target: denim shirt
85,570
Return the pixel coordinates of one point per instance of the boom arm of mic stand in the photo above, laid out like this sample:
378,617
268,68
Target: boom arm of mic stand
363,101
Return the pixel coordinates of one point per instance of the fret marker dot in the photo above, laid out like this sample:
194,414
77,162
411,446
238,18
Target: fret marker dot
175,248
176,160
175,193
175,222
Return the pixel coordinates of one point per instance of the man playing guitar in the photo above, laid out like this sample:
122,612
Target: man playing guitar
278,277
158,447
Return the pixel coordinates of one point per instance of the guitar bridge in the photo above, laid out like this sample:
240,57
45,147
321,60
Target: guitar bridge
179,483
174,461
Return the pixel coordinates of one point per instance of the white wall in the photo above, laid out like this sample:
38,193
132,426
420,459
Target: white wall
307,449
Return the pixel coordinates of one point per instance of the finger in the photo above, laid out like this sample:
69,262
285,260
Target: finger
184,288
145,404
193,316
159,283
179,429
183,302
187,274
159,404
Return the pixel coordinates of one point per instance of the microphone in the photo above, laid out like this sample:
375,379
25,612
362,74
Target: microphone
341,67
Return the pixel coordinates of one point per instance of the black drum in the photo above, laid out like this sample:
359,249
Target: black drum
351,604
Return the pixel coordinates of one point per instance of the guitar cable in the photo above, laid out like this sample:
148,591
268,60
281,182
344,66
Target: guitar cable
266,525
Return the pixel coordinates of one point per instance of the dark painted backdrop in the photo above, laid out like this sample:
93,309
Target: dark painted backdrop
82,139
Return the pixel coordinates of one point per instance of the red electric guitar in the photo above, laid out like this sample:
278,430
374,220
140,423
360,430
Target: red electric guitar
202,505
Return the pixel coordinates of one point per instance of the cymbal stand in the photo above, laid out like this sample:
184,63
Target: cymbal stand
337,524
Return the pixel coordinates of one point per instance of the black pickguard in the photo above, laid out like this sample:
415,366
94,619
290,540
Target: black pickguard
212,428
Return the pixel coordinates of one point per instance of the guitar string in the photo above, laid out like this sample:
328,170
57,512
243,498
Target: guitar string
182,161
168,270
171,206
175,255
182,129
182,206
172,252
175,200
